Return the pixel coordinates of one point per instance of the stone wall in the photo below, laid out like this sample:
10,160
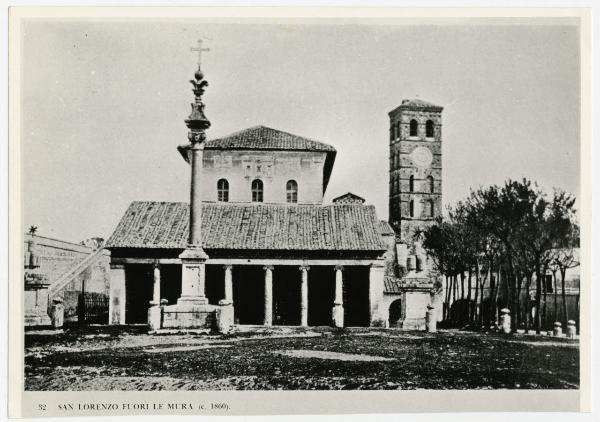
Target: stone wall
55,258
274,168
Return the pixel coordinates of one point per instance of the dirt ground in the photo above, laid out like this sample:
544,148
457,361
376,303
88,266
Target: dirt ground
109,358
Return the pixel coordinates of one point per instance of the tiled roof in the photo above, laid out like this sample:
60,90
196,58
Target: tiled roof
392,284
396,285
251,227
348,197
385,228
265,138
262,137
416,103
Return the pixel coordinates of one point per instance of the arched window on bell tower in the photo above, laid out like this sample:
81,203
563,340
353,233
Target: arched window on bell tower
430,184
430,209
411,183
411,208
414,128
429,129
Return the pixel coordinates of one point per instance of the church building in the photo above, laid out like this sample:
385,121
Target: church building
257,236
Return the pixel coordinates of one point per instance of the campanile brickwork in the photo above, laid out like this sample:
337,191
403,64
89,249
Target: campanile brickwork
415,184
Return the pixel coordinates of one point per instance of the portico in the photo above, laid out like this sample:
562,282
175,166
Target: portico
291,292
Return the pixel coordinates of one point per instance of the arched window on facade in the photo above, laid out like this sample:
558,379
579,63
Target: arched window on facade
414,127
429,129
430,183
223,190
430,208
411,208
291,190
411,183
257,190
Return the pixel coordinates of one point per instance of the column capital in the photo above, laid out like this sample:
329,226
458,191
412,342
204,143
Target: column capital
303,268
339,268
227,267
378,265
156,264
117,266
268,267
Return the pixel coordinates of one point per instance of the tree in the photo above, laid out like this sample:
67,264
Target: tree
566,258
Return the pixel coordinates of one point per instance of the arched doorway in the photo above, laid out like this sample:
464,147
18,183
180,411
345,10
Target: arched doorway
395,313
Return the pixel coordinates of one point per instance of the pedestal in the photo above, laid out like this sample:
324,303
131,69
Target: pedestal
193,277
192,309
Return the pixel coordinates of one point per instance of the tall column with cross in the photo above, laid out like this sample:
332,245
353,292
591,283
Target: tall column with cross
193,258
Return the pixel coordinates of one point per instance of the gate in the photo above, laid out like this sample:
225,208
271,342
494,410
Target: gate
92,309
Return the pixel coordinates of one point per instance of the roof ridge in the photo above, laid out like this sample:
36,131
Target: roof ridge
235,133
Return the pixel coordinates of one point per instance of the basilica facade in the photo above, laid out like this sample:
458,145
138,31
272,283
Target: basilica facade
257,236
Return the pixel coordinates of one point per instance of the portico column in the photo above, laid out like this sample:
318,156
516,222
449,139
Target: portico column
376,275
268,320
228,282
338,303
116,303
156,290
154,312
304,296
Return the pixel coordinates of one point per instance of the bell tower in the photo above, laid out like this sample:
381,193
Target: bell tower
415,190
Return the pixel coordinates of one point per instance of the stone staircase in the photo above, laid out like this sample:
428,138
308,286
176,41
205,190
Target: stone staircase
63,280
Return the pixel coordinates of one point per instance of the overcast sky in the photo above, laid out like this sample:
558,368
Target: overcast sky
104,104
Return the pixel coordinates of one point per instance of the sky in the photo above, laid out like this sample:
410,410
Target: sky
103,105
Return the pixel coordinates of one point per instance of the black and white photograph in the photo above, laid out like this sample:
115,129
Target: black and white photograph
300,204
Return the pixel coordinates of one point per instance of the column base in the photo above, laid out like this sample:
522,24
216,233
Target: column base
192,300
189,314
337,315
37,317
154,316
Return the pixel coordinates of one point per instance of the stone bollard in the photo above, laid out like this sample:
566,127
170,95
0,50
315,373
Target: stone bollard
430,320
57,313
557,329
224,316
505,320
154,316
571,329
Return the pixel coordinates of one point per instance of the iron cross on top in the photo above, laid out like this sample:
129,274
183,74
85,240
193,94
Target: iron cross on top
199,49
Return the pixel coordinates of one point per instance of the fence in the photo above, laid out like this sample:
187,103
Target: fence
92,309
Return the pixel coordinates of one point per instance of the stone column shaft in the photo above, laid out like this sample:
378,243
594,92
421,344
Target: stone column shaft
116,303
195,235
339,288
376,274
337,312
156,290
304,296
228,283
268,319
